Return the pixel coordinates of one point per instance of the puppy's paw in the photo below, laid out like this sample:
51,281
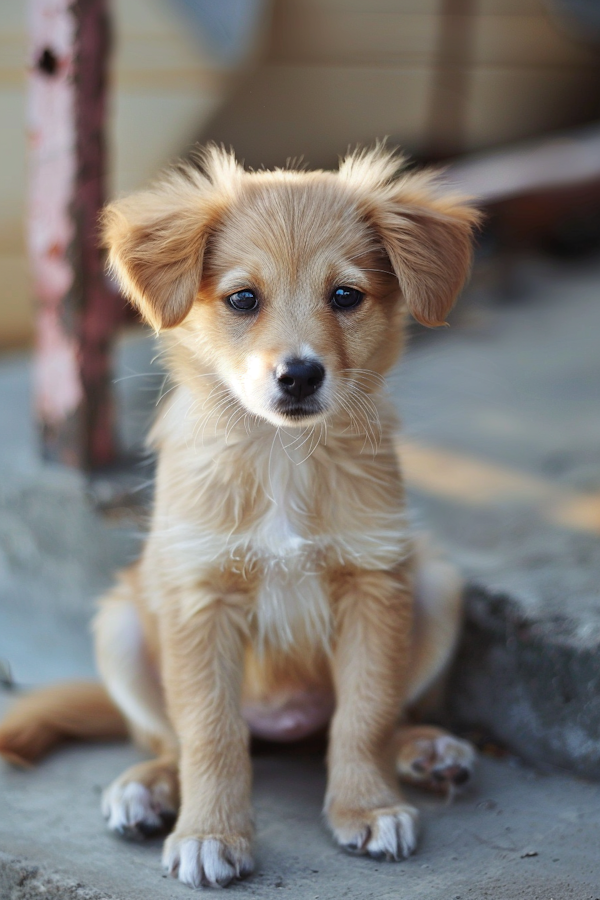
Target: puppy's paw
135,810
387,833
207,860
441,762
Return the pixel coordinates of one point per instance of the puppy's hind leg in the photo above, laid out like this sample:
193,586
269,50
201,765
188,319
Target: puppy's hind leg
426,755
438,612
144,800
432,758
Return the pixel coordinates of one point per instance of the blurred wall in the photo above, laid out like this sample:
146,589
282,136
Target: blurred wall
14,302
438,76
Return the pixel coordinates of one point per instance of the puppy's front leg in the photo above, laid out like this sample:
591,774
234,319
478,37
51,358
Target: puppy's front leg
203,667
364,806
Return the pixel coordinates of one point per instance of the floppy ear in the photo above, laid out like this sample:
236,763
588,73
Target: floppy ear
157,238
427,236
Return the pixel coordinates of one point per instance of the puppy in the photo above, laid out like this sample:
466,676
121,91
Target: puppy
279,587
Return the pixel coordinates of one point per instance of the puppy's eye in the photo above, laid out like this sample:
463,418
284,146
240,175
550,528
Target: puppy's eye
243,301
346,298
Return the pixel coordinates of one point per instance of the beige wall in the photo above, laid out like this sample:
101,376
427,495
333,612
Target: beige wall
340,72
14,309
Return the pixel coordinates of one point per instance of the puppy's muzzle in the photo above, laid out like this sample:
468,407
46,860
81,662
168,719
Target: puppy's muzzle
299,379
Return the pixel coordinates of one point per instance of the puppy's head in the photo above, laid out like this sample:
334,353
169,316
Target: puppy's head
292,285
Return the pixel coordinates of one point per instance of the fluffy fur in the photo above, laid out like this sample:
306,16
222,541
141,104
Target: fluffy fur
279,580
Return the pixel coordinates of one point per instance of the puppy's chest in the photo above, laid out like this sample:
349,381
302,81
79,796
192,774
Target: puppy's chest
296,514
314,513
308,527
289,545
288,528
284,532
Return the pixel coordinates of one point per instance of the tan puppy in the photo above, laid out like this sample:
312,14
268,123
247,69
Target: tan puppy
278,573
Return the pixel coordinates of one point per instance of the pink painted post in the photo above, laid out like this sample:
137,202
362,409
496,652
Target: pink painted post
77,313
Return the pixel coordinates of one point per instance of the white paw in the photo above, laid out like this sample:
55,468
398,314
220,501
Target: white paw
207,861
441,764
133,810
389,833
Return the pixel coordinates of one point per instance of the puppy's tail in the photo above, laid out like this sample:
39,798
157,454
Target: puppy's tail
38,721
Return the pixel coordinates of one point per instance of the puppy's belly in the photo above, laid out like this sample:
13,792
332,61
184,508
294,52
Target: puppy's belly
292,613
289,715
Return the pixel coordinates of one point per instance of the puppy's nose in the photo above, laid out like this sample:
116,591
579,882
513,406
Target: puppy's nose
299,378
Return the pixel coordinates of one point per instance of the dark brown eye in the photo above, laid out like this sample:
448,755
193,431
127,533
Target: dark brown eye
346,298
243,301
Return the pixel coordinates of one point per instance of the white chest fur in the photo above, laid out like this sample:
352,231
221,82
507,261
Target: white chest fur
291,604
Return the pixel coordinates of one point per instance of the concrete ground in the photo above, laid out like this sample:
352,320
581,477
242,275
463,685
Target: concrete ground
517,834
502,458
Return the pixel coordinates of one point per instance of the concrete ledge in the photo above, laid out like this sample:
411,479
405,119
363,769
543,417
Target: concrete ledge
53,545
528,667
536,691
57,555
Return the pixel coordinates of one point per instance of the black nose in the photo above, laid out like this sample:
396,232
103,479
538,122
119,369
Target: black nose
299,378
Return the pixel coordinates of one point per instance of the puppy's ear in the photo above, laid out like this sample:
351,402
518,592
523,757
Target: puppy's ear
427,236
156,238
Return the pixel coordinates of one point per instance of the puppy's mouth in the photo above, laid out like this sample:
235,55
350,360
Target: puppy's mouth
297,412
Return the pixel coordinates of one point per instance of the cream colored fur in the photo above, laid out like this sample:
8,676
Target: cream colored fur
279,580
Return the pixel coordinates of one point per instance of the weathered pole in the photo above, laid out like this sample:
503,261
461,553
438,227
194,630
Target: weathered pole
76,311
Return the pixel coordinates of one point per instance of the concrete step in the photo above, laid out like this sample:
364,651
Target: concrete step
528,667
